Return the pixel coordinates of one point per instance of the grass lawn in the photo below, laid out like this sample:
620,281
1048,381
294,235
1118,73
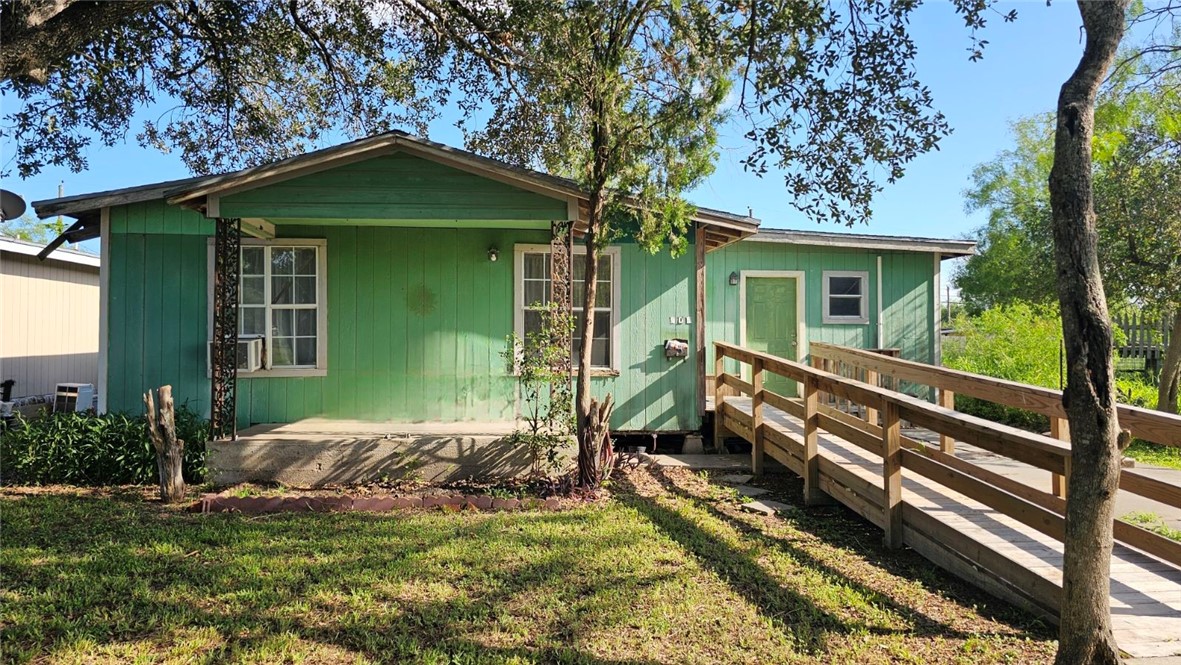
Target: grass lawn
1154,454
666,571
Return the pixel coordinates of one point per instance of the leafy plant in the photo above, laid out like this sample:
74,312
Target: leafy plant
1019,342
89,449
541,362
1154,523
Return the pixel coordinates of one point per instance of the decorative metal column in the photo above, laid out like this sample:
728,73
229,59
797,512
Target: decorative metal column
227,257
562,285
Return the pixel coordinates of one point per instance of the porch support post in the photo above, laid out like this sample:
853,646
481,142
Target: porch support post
757,449
892,473
227,257
699,319
562,296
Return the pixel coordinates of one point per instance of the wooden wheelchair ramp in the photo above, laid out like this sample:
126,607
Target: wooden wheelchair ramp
993,531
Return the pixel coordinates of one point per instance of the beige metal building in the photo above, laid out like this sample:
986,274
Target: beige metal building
49,316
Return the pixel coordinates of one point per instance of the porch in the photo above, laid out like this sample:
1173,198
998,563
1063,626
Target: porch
318,452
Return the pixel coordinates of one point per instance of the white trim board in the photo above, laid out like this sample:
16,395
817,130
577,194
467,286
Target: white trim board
613,252
937,307
801,324
829,319
104,307
321,368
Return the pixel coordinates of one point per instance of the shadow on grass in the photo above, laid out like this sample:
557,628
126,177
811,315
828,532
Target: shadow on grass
809,623
122,578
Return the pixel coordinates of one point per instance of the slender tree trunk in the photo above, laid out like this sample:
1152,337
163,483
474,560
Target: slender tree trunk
1085,635
588,436
169,449
1170,375
589,428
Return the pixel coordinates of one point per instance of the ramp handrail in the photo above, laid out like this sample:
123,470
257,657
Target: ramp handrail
1040,510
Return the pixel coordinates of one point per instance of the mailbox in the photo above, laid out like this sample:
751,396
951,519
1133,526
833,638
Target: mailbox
676,348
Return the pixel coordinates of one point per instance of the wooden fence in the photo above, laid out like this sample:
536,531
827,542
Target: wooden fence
1147,337
878,430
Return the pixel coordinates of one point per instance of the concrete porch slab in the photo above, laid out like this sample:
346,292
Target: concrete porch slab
704,462
317,453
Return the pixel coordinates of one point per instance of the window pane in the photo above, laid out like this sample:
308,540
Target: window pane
850,286
305,322
282,352
305,290
252,260
605,267
600,353
536,266
603,294
282,260
838,306
253,291
600,344
532,322
252,321
305,261
579,267
536,293
281,288
283,322
305,351
602,325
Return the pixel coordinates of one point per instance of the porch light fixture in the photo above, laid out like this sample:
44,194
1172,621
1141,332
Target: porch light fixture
493,254
734,279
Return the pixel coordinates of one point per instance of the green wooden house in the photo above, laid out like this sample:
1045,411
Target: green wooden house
381,278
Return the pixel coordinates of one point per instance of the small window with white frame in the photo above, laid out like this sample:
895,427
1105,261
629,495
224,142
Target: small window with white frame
282,299
534,289
846,296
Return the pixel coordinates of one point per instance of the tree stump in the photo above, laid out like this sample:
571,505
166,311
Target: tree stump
594,444
169,449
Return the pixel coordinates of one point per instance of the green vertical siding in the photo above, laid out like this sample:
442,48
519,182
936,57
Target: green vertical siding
652,392
399,187
417,319
907,294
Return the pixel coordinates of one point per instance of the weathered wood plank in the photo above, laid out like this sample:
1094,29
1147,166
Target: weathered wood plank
1046,521
1033,449
741,387
1149,487
892,472
756,409
1143,423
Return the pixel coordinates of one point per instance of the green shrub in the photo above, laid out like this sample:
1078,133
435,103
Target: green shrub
1018,342
89,449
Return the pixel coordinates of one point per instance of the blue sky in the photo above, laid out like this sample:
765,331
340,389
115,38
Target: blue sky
1025,63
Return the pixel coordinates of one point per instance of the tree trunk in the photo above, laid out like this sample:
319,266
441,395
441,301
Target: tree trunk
169,449
1085,626
1170,375
591,431
589,435
39,36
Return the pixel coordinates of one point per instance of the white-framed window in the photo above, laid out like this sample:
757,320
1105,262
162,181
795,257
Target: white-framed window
283,299
846,296
533,291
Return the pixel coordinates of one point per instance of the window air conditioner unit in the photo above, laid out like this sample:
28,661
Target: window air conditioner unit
73,397
249,354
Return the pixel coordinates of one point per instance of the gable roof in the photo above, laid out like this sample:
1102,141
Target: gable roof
946,249
199,192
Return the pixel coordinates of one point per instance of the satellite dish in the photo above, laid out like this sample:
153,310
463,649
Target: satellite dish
11,205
